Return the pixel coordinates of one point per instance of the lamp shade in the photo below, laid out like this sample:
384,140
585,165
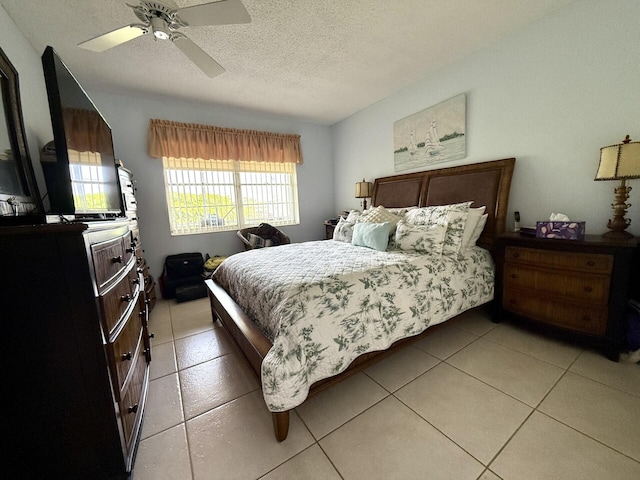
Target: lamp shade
364,189
619,161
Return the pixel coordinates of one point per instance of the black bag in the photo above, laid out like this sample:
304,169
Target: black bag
182,270
184,265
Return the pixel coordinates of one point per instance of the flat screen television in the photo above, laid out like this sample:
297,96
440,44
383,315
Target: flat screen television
79,165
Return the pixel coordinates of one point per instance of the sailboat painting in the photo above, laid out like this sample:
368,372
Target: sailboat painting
435,134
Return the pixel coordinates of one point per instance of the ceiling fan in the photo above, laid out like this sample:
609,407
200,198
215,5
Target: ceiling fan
163,18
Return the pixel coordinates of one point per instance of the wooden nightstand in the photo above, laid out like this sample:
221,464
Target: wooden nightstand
329,228
580,288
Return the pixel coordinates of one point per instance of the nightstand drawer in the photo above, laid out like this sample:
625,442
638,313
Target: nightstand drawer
564,283
575,316
584,262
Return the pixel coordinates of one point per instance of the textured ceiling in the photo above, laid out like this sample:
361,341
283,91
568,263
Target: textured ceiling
316,60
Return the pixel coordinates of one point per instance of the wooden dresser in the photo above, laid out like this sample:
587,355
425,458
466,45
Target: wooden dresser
580,287
128,188
79,349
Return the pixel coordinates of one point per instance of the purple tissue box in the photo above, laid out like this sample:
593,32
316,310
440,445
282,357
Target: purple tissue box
562,230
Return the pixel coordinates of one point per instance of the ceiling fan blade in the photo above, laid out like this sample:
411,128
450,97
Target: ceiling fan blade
223,12
113,38
208,65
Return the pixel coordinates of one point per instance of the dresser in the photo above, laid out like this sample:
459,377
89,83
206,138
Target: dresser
78,349
578,288
128,189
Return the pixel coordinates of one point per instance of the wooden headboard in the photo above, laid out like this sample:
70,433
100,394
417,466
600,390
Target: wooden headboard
485,183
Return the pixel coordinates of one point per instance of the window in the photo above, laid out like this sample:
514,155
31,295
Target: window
217,195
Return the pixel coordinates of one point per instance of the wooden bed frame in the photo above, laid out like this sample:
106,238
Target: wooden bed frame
486,183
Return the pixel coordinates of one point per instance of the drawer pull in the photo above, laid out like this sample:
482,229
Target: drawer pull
127,356
117,259
133,409
135,281
151,335
130,249
126,298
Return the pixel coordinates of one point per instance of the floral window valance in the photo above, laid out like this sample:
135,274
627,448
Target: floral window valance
190,140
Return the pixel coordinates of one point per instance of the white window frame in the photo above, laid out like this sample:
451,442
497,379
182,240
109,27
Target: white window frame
231,194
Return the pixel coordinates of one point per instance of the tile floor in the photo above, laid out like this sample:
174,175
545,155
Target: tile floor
474,400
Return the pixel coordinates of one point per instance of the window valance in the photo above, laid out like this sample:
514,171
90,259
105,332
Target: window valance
190,140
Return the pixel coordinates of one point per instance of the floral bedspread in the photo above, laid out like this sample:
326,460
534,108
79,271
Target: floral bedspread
324,303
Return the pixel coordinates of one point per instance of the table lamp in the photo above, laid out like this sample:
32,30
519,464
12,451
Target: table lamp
364,190
619,162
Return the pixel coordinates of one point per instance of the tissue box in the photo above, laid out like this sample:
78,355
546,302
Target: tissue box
562,230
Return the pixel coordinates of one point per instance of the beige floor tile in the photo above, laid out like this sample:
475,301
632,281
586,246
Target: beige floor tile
164,405
445,341
310,464
203,346
164,456
162,333
191,324
190,307
620,375
210,384
543,347
236,440
390,441
161,312
163,360
477,321
476,416
335,406
400,368
521,376
546,449
489,475
602,412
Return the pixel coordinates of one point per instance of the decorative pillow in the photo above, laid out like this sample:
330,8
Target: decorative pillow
371,235
420,238
472,221
380,215
353,216
343,231
258,242
478,230
454,216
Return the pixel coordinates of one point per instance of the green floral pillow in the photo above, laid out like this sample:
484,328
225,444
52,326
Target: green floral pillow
454,216
428,239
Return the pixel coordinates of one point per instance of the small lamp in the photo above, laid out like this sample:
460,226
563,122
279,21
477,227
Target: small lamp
364,190
619,162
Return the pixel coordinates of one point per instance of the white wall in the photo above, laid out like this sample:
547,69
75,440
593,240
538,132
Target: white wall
551,95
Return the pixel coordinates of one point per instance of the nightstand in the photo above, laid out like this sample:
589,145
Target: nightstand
579,288
329,228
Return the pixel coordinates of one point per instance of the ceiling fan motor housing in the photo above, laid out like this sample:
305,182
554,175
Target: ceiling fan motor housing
166,12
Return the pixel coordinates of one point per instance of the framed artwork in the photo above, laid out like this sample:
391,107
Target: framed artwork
433,135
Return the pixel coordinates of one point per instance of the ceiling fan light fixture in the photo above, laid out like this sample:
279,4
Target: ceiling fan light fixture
160,29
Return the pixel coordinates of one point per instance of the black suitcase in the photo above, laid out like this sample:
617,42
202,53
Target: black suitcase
183,265
181,270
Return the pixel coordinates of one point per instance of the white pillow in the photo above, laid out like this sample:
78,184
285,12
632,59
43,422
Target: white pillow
472,221
420,238
353,216
478,230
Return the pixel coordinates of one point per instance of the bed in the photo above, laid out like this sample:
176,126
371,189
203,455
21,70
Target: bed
294,357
